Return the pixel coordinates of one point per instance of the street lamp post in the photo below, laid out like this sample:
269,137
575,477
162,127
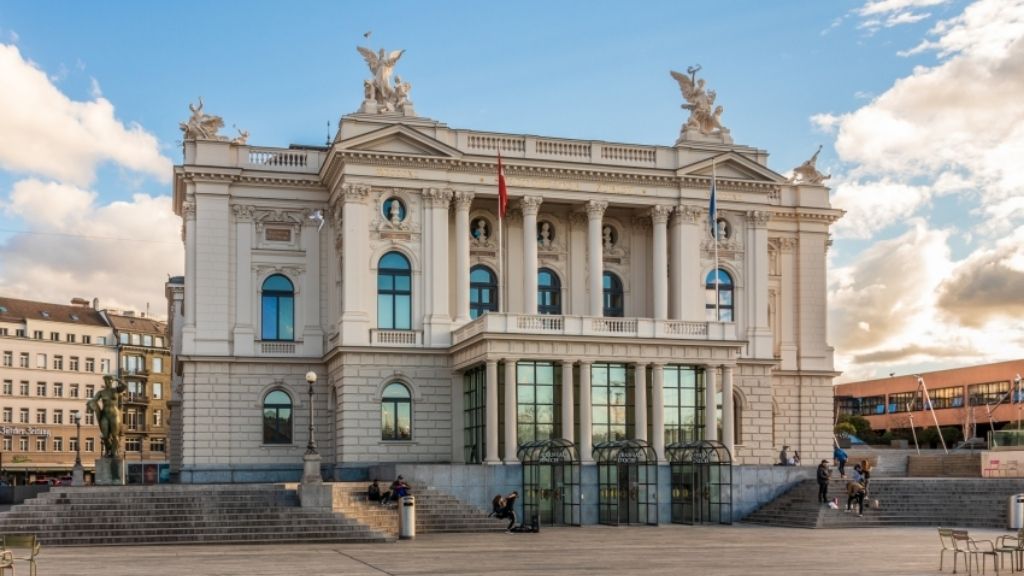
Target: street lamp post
78,473
311,460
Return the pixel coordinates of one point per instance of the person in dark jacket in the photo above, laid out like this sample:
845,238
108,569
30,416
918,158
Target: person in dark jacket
823,476
510,510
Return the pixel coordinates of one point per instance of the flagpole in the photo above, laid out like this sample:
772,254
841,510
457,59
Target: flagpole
714,234
503,293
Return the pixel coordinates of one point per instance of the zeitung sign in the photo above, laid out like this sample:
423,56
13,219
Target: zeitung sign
18,431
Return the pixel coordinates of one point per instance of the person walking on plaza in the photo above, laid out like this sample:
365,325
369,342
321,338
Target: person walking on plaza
823,476
865,470
840,455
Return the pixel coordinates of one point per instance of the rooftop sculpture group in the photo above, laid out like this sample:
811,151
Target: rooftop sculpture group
807,173
203,126
704,115
379,94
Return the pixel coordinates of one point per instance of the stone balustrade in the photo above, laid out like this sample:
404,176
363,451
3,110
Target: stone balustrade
593,326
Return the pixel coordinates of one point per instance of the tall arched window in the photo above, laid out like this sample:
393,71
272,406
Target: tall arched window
549,292
277,418
612,295
278,301
483,291
394,292
718,295
396,413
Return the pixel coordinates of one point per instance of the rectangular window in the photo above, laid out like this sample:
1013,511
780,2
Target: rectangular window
8,359
474,384
104,366
86,339
147,340
58,362
74,415
73,390
131,419
7,444
90,418
73,363
8,388
40,443
23,443
41,361
90,444
132,445
73,444
90,364
158,391
158,445
23,416
90,390
158,365
55,336
536,392
58,390
611,393
903,402
37,334
990,393
23,387
40,388
41,416
23,360
19,332
136,339
872,405
71,337
158,341
133,364
58,444
124,337
683,393
58,416
136,389
102,340
8,414
158,418
3,331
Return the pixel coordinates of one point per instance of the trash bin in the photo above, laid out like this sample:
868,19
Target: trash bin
1015,515
407,517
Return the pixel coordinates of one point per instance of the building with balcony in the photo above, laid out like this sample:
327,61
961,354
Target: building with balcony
144,365
54,359
975,399
600,309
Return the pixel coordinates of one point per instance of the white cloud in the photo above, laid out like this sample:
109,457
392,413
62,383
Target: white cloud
905,18
888,6
47,134
953,128
119,252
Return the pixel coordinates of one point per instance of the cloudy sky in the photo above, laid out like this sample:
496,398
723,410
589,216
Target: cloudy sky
919,105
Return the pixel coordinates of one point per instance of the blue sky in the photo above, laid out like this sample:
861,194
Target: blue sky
871,80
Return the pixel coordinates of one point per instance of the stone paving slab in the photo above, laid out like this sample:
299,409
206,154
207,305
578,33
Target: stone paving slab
739,550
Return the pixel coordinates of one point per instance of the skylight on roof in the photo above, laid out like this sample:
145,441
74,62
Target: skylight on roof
74,317
3,309
44,313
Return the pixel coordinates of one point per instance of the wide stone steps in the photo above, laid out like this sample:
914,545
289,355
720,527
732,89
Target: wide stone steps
179,514
979,503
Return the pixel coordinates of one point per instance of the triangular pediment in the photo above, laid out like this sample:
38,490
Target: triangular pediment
731,166
399,139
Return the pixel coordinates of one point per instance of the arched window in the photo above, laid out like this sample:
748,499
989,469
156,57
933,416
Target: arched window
718,296
612,295
394,292
483,291
277,418
396,413
278,309
549,292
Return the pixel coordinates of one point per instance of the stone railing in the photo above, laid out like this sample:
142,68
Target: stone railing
547,325
585,151
277,348
396,337
281,159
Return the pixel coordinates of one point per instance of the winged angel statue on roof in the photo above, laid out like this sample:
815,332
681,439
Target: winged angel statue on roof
704,115
379,90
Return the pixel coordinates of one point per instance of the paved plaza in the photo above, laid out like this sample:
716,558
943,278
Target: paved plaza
737,550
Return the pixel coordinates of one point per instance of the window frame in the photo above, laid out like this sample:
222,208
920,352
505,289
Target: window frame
279,297
391,296
549,295
478,307
610,292
285,438
392,405
725,291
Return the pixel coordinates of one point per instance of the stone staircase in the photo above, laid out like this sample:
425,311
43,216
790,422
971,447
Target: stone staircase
179,514
960,502
436,511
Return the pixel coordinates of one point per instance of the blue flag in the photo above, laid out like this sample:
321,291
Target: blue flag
713,210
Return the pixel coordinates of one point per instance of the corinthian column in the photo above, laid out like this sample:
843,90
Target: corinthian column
355,220
659,218
595,257
491,414
710,406
530,205
463,200
728,411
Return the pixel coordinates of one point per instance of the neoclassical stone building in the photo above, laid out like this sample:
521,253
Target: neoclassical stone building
374,262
